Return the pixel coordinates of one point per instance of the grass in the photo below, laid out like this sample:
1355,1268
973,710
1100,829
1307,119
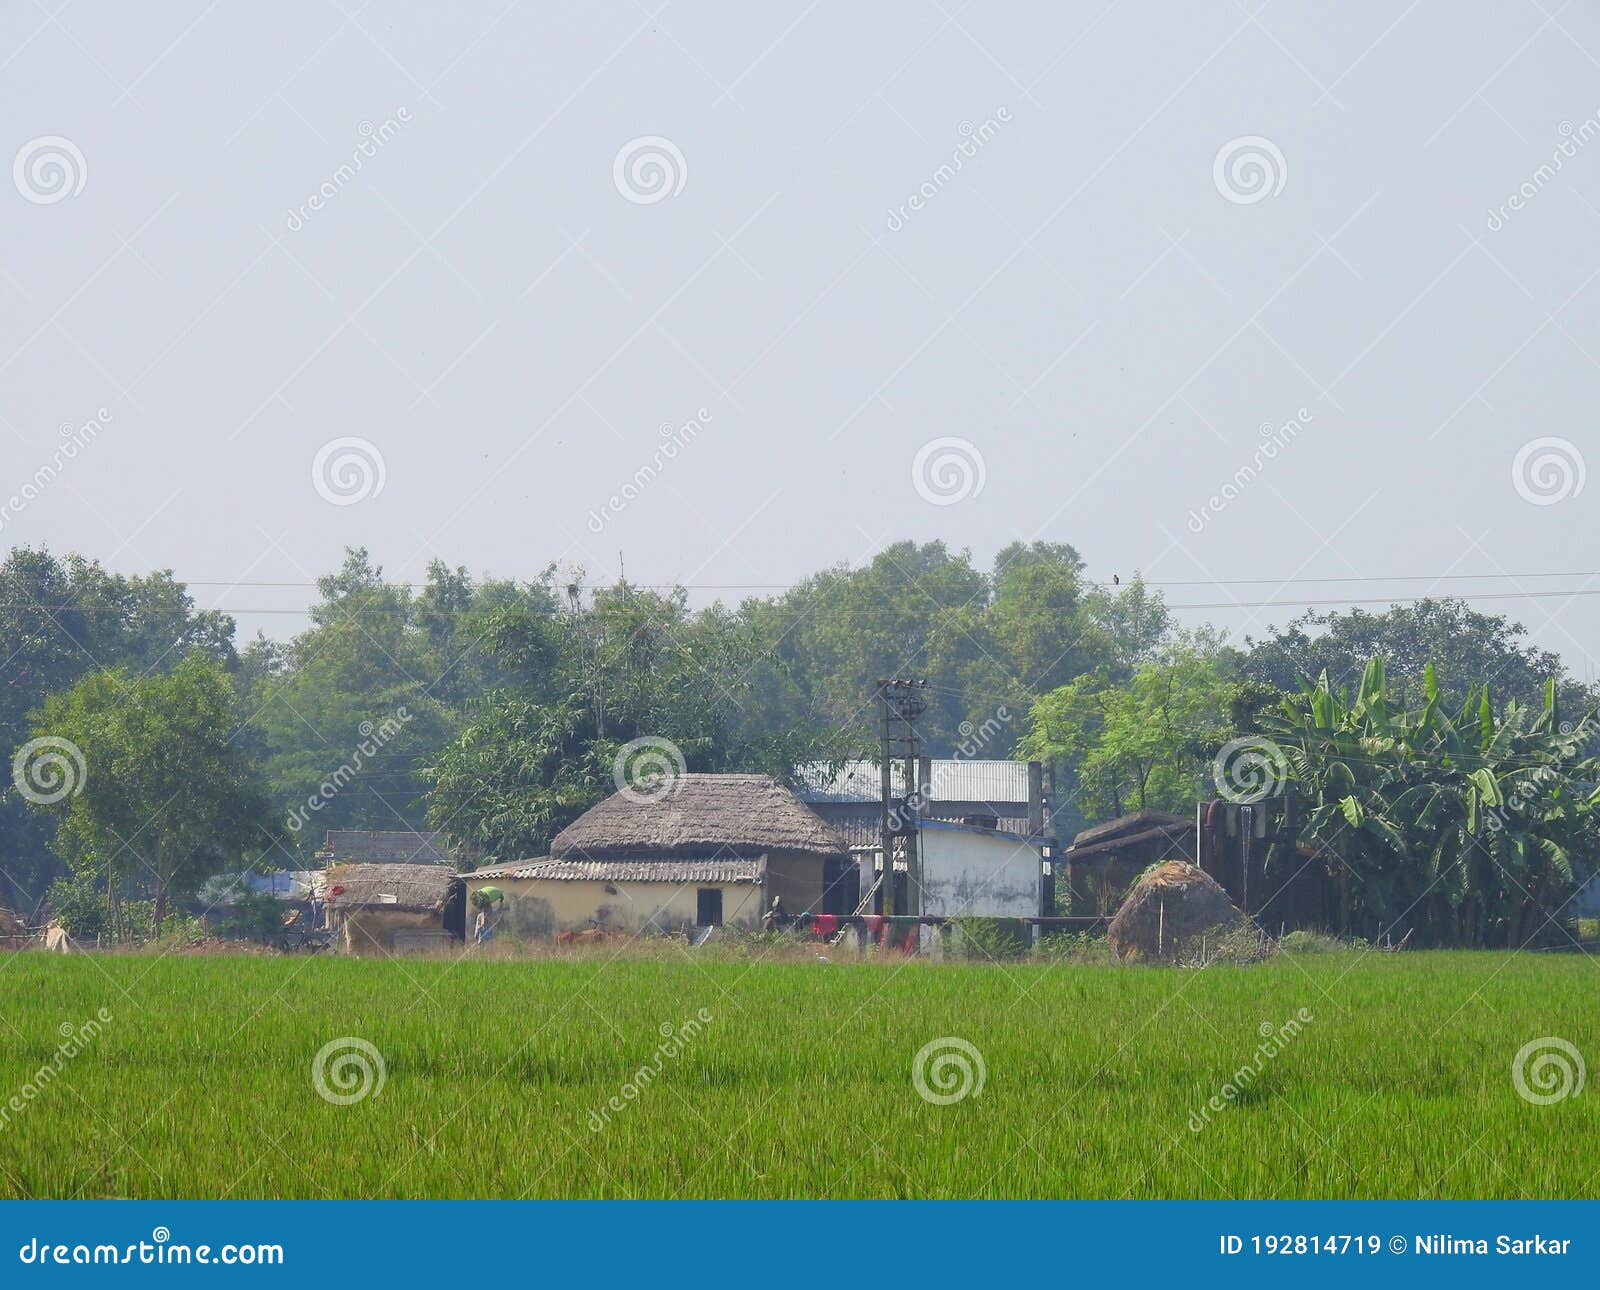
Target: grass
800,1084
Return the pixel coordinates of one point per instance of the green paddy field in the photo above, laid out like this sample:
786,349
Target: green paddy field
141,1076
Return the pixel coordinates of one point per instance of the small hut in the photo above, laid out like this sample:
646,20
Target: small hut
710,850
394,908
1168,912
1104,861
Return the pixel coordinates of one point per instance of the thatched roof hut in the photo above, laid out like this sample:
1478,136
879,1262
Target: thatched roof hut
1168,911
722,816
404,888
394,908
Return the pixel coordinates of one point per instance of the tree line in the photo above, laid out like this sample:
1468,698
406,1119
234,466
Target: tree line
495,710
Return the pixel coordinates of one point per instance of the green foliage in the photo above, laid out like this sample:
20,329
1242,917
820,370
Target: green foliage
346,715
1464,646
1472,828
80,907
168,797
253,916
1393,1070
987,940
1143,743
61,618
990,638
535,754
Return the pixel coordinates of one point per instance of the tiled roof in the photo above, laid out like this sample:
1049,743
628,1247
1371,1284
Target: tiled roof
680,871
384,846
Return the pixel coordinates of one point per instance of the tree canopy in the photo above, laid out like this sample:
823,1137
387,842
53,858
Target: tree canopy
495,709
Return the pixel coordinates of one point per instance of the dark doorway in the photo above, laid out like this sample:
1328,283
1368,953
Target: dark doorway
841,886
708,907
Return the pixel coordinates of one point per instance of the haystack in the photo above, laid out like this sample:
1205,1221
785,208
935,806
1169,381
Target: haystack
1169,911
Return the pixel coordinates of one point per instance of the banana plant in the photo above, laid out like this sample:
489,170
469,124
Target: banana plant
1473,827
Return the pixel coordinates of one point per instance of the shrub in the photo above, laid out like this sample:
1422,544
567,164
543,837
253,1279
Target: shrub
80,908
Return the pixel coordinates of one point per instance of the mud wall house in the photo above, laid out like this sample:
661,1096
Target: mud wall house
544,897
394,908
1104,861
713,850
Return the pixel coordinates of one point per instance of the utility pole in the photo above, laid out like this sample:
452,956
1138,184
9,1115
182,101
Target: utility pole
901,702
581,632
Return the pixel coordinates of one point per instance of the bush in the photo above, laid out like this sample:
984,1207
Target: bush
80,908
254,916
1308,942
987,940
1073,947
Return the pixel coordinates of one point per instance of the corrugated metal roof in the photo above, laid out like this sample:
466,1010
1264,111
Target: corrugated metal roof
681,871
952,779
860,821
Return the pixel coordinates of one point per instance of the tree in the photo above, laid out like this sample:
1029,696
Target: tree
345,717
1472,828
1144,743
61,618
580,687
163,797
1462,644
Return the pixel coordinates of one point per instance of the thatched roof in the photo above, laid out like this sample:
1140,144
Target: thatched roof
418,888
384,846
724,816
677,871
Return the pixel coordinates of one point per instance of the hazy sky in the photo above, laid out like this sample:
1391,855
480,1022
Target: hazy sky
1102,244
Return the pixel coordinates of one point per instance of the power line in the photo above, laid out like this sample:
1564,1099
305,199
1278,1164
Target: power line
347,611
1292,580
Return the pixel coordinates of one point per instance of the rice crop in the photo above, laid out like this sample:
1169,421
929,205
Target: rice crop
1334,1074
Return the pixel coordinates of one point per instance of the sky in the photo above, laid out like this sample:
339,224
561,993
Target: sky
1274,304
